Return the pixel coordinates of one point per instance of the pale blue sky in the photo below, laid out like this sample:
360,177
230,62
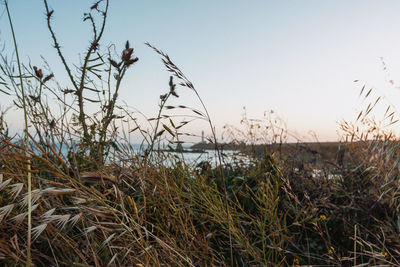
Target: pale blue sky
299,58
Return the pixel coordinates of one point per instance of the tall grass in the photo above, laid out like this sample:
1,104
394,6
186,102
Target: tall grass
27,145
96,201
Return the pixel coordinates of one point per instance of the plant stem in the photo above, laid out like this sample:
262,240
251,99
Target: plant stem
162,104
27,148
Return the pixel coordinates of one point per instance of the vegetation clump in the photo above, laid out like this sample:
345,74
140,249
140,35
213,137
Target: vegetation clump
95,200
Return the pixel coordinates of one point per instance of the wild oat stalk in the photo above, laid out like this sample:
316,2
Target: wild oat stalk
171,67
28,164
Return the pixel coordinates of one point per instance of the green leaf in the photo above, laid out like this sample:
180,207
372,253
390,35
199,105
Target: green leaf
91,89
198,113
172,123
94,66
91,100
168,130
160,133
134,129
4,92
15,103
97,58
94,73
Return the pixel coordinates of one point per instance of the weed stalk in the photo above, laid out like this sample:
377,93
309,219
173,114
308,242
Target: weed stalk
27,148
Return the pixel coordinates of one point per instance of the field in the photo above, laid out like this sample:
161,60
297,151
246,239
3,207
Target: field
104,203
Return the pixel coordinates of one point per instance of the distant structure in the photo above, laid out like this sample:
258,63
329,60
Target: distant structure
202,137
179,148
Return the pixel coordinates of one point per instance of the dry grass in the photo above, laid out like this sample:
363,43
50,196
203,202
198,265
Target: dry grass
171,214
97,201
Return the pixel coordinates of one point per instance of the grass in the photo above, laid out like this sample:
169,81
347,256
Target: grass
27,145
103,203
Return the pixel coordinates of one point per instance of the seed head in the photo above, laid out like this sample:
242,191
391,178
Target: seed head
38,72
48,77
131,61
172,87
126,54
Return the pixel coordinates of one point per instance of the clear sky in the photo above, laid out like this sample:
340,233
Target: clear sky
299,58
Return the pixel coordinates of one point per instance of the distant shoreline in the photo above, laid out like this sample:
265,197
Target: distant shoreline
312,152
232,146
190,150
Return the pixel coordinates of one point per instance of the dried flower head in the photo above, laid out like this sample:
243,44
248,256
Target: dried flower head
48,77
131,61
38,72
126,54
95,5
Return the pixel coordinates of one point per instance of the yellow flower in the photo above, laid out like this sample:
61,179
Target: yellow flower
331,250
384,253
296,261
322,217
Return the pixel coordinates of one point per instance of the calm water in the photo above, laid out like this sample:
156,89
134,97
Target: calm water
193,158
190,158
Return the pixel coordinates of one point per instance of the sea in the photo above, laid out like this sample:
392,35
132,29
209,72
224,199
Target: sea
189,156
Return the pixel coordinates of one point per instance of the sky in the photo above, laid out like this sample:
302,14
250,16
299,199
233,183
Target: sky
298,58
